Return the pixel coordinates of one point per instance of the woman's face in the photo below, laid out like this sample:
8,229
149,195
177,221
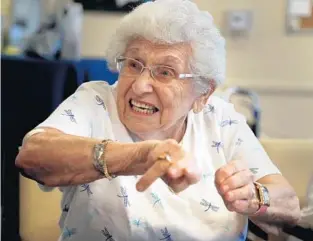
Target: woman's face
145,104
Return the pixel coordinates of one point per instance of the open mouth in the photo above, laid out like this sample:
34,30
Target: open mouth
142,108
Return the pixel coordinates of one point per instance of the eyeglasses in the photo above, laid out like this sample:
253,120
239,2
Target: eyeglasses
132,67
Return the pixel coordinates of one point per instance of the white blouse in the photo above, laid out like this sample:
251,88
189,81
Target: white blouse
115,211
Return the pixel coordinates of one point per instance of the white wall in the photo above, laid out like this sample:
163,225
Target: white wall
287,113
278,66
97,30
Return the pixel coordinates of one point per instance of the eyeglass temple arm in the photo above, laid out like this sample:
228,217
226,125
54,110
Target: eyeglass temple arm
186,76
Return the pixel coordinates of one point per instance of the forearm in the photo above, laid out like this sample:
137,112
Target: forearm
57,159
284,208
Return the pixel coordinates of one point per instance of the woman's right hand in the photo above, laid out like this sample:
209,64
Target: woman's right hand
178,173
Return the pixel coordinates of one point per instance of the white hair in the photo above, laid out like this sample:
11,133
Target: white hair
170,22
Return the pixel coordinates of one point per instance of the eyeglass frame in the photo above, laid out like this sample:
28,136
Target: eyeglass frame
150,68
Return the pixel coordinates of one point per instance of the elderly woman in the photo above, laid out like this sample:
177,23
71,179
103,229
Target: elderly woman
156,156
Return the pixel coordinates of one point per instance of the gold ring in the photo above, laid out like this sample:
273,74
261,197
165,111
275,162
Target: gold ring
165,157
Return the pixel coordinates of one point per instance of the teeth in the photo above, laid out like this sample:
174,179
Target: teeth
145,111
141,105
142,108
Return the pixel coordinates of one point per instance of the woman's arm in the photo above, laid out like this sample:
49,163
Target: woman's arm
57,159
53,158
248,163
284,205
234,182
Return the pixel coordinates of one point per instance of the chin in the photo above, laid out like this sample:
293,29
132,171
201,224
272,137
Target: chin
139,127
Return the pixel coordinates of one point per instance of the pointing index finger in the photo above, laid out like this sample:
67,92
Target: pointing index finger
157,170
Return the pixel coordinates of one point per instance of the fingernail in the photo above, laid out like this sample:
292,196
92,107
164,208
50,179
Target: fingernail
140,187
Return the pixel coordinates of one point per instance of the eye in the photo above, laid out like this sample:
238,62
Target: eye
165,72
133,64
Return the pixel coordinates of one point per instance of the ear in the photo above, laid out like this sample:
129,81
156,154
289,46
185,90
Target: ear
202,100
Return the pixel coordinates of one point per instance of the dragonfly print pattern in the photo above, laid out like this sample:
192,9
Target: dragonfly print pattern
209,109
107,235
86,188
228,122
74,97
166,235
227,228
205,176
70,115
140,223
156,200
68,233
239,141
209,206
100,101
217,145
66,208
124,196
254,170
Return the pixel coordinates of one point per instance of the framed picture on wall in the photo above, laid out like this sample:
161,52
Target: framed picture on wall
299,16
110,5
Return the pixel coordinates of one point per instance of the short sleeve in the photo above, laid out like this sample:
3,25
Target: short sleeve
242,144
73,116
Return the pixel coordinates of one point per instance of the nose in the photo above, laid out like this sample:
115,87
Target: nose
143,83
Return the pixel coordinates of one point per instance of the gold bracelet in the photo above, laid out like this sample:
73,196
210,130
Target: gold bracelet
99,159
105,167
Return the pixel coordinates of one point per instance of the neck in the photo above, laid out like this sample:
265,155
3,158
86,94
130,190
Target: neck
175,132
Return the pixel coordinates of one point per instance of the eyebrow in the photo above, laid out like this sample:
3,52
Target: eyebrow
171,60
167,60
134,50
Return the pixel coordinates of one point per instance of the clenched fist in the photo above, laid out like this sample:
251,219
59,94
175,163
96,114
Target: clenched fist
234,182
